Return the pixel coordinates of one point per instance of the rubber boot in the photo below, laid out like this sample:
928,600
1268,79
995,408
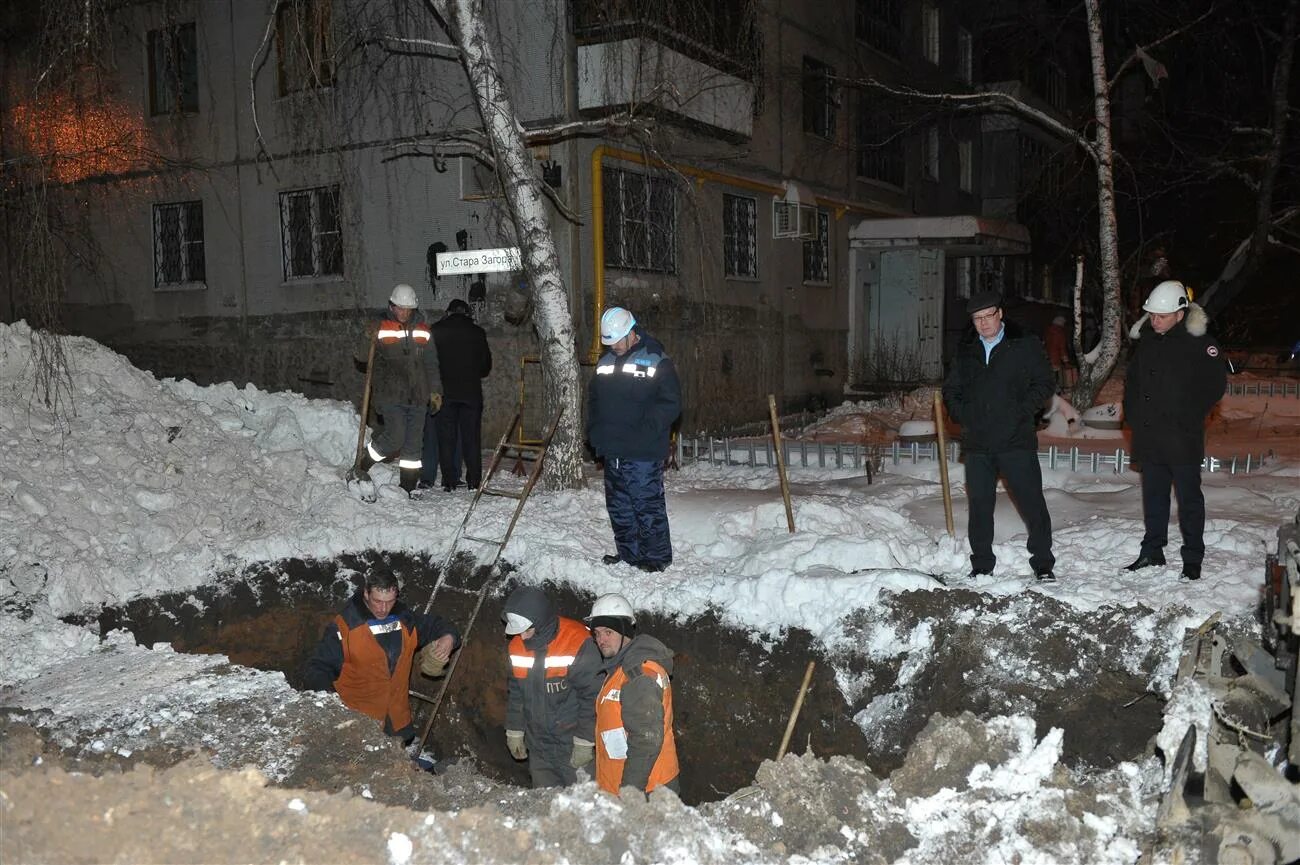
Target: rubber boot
408,478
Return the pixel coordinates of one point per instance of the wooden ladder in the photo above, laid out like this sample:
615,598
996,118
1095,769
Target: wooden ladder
537,452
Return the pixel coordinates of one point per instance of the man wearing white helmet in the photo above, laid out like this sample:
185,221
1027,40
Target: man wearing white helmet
632,402
405,385
1175,376
555,673
635,746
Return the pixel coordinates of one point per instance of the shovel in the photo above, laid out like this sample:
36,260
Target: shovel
356,474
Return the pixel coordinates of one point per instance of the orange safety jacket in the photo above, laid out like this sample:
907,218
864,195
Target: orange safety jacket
391,331
560,653
365,684
610,732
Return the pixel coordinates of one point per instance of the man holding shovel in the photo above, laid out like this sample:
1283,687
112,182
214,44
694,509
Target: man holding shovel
403,381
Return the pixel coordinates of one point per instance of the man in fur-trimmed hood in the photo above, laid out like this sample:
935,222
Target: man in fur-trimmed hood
1175,377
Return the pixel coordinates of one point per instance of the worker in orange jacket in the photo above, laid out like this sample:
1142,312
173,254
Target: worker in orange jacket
367,653
555,673
635,746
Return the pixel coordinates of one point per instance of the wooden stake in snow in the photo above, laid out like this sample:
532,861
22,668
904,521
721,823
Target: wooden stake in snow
780,462
941,441
794,715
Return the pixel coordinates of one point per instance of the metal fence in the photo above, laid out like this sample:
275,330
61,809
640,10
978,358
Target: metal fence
1264,388
759,452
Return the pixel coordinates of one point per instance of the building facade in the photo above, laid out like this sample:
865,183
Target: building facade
786,223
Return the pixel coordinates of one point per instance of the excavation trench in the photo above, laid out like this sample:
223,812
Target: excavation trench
732,696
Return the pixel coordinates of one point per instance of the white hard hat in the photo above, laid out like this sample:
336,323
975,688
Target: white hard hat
612,605
516,624
615,324
403,295
1168,296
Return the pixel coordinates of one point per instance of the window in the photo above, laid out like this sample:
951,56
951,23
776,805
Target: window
740,236
930,154
640,221
930,33
178,244
304,45
820,98
173,70
879,23
817,252
880,148
1047,79
965,157
311,233
965,56
965,267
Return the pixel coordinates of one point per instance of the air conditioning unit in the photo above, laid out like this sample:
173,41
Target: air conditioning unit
794,214
790,219
477,183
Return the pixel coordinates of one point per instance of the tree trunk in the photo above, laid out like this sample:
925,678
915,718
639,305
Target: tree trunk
1095,366
521,184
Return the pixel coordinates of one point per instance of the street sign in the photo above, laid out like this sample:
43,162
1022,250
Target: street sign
479,261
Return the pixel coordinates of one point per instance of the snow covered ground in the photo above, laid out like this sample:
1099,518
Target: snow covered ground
136,487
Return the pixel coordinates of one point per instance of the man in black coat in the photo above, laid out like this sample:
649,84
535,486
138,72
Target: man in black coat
1175,376
998,383
465,359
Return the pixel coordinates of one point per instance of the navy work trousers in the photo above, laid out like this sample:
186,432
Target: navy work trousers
1024,479
634,497
1156,478
460,426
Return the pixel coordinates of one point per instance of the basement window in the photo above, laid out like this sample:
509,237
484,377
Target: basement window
311,232
178,256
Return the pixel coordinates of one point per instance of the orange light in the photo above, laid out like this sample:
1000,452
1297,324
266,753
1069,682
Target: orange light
77,140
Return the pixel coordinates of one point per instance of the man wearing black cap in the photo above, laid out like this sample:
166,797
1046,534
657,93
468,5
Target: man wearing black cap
999,381
555,674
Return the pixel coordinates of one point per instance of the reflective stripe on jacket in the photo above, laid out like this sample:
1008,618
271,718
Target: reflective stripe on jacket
613,740
365,683
560,654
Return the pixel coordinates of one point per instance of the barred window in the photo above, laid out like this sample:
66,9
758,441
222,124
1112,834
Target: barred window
173,70
817,252
304,45
821,98
881,155
178,257
740,236
640,221
930,32
879,23
311,233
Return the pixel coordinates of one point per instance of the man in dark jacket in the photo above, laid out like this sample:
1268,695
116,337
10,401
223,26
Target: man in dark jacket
404,384
465,360
1175,376
632,402
635,743
555,675
998,383
366,654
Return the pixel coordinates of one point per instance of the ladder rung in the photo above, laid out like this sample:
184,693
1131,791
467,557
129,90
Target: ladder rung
482,540
510,494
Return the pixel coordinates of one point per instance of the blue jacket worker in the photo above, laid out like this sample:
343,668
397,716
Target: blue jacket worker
632,402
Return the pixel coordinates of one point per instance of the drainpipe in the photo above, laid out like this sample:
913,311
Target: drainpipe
702,175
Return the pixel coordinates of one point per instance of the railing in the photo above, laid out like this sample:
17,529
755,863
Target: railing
759,452
1264,388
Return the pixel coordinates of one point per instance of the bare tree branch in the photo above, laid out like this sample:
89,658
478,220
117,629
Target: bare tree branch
1136,56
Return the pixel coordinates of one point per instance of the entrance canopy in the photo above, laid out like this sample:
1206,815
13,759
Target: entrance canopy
956,235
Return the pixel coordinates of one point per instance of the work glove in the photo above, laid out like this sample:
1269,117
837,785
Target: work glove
430,664
435,402
583,753
515,744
